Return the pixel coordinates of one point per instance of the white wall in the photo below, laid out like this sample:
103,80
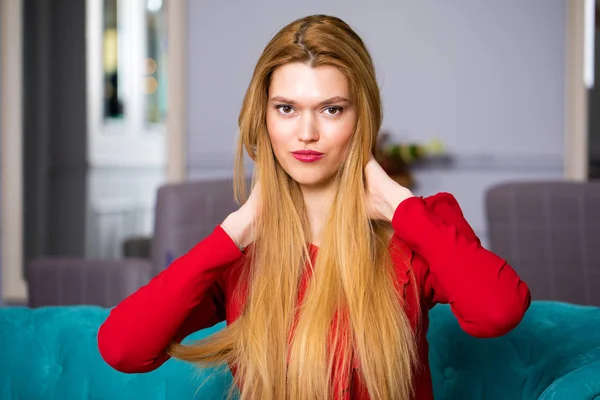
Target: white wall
487,79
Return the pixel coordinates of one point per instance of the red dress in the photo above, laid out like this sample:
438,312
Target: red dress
447,260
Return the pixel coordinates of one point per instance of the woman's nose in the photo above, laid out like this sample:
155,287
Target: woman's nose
308,131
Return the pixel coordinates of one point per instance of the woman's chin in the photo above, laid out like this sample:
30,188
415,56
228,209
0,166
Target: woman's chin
312,181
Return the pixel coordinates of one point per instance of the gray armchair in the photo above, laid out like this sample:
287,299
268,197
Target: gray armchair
65,281
185,214
550,234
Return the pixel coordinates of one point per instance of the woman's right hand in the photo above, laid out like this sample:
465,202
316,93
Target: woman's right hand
238,224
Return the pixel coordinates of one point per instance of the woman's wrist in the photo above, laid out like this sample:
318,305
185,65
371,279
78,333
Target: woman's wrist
232,237
393,197
237,225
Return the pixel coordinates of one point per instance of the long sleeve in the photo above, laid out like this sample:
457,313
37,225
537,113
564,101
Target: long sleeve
183,298
484,292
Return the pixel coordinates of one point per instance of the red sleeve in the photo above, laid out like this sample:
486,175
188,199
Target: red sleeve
486,295
182,299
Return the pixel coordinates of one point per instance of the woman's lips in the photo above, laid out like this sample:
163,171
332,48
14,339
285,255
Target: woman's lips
307,155
307,158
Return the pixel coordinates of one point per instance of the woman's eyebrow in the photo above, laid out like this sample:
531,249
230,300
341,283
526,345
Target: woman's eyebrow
331,100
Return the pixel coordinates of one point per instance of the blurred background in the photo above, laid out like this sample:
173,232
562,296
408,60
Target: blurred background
106,101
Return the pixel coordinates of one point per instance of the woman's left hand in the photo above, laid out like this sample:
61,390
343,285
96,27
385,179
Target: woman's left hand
383,193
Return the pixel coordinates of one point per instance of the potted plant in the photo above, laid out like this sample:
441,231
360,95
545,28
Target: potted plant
397,158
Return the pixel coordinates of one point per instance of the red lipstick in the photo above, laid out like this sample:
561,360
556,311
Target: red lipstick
307,155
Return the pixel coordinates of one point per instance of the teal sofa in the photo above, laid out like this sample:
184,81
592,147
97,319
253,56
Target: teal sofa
51,353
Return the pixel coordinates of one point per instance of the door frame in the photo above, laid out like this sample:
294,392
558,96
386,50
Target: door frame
13,282
14,288
176,91
576,95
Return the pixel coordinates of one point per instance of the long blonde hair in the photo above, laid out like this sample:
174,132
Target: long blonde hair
352,312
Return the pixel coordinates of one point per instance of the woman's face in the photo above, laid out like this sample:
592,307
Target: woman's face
310,120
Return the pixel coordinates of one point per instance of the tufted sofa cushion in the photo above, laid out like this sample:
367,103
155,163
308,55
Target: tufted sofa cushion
553,354
51,353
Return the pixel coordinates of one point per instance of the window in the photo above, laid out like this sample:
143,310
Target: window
127,81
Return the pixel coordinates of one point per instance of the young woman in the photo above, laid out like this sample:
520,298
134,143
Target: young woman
326,273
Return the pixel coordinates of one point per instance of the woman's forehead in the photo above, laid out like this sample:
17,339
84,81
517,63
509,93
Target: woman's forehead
304,84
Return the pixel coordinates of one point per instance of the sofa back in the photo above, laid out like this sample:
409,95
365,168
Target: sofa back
51,353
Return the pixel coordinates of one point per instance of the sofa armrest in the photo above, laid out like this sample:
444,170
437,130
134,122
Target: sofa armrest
70,281
580,383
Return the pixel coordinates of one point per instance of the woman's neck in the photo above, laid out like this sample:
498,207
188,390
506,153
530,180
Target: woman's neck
318,202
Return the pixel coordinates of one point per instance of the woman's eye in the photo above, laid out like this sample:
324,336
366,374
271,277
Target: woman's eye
285,109
333,110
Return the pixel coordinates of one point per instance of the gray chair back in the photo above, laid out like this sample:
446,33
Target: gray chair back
550,233
185,214
59,281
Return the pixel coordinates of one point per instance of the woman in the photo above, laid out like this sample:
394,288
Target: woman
326,273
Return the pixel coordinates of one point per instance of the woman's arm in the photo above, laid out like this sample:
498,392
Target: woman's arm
184,298
486,295
180,300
